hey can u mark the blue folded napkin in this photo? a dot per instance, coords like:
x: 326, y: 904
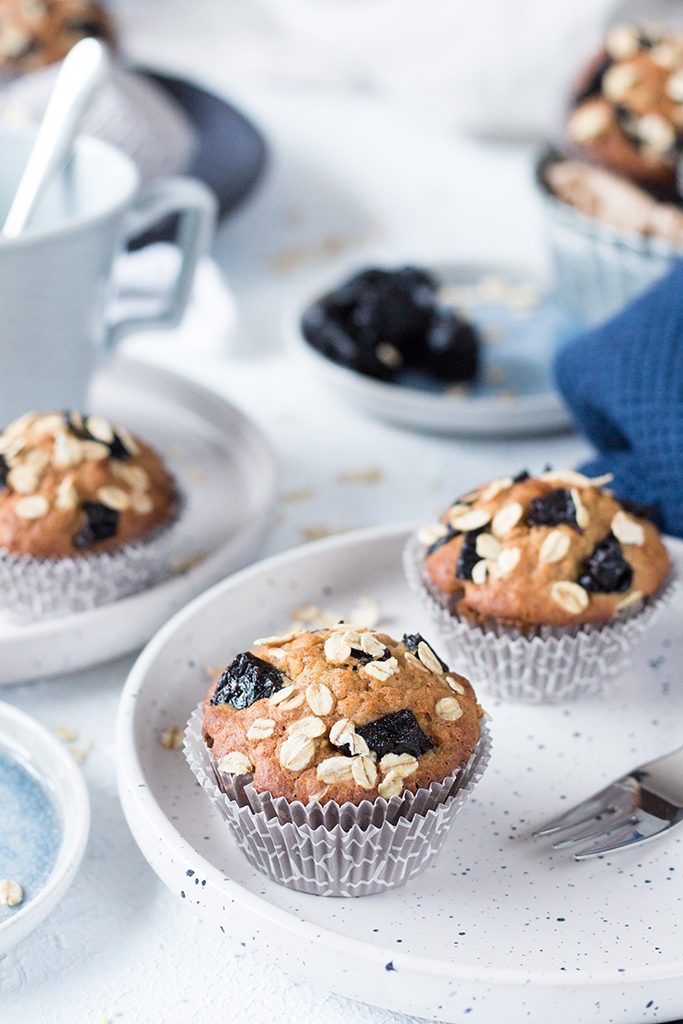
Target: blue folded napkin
x: 623, y: 383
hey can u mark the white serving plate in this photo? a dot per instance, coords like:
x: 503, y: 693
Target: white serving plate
x: 227, y: 472
x: 499, y: 927
x: 523, y: 402
x: 50, y: 763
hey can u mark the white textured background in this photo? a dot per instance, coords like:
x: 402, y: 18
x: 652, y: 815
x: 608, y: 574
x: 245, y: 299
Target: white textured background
x: 344, y: 89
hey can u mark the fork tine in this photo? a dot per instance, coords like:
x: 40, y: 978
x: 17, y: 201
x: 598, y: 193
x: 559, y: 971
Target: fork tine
x: 600, y: 827
x: 591, y: 807
x: 634, y: 836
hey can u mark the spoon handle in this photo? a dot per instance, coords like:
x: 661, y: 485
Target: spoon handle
x: 83, y: 71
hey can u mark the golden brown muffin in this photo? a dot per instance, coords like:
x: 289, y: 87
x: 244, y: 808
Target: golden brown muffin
x: 35, y: 33
x: 557, y: 550
x: 76, y: 485
x: 343, y: 714
x: 627, y: 112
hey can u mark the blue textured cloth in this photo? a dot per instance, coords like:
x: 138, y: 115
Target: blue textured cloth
x: 623, y: 382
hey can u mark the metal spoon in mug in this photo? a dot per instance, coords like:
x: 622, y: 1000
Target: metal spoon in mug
x: 82, y: 73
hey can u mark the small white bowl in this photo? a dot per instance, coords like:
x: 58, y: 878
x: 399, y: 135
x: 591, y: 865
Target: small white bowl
x: 40, y: 755
x: 523, y: 402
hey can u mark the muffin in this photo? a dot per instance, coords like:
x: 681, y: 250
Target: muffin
x: 345, y: 734
x: 627, y: 112
x: 614, y: 214
x: 523, y: 561
x: 35, y: 33
x: 83, y: 508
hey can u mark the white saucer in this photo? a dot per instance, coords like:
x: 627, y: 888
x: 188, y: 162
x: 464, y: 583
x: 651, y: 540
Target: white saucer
x: 227, y: 473
x: 45, y: 820
x: 519, y: 398
x: 500, y: 927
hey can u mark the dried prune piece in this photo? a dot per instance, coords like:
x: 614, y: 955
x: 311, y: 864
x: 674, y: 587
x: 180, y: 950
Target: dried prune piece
x: 380, y: 321
x: 442, y: 540
x: 4, y: 470
x: 593, y: 85
x: 79, y: 428
x: 397, y: 308
x: 84, y: 27
x: 118, y: 450
x: 452, y: 347
x: 328, y: 332
x: 246, y: 680
x: 76, y: 427
x: 639, y: 510
x: 397, y: 733
x: 521, y: 477
x: 607, y: 571
x: 554, y: 509
x: 364, y: 659
x: 413, y: 641
x: 468, y: 557
x: 101, y: 523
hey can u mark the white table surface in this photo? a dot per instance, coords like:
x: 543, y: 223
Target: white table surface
x: 346, y: 173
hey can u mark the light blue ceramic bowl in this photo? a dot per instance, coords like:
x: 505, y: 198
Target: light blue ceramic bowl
x: 45, y: 820
x: 598, y: 269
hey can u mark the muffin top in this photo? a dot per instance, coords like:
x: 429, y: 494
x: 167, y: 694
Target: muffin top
x: 76, y: 485
x: 35, y: 33
x: 554, y: 550
x: 627, y: 110
x: 343, y: 714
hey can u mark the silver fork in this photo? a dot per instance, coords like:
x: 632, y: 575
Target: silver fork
x: 639, y: 806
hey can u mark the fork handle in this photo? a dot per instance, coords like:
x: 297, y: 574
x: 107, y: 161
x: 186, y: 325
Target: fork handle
x: 664, y: 776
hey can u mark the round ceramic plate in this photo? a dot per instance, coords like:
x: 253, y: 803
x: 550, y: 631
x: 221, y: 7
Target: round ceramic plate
x: 522, y: 328
x: 45, y: 821
x: 499, y: 925
x: 222, y: 463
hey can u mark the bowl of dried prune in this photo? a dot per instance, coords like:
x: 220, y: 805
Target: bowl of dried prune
x: 451, y: 348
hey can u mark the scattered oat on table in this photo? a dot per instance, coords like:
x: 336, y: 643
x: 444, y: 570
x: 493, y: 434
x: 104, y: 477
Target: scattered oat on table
x: 457, y: 391
x: 65, y: 733
x: 296, y: 496
x: 296, y: 256
x: 317, y: 532
x: 11, y: 893
x: 79, y: 754
x: 366, y: 475
x: 494, y: 374
x: 172, y: 738
x: 177, y: 566
x: 197, y: 475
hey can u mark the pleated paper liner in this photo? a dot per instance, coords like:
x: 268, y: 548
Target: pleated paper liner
x: 552, y: 664
x: 36, y: 588
x: 335, y: 849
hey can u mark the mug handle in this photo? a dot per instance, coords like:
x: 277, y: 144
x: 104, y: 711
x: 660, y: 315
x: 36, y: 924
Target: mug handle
x: 196, y: 207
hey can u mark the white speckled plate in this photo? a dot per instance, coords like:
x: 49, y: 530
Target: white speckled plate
x: 227, y: 473
x: 516, y: 395
x: 500, y: 928
x: 45, y: 821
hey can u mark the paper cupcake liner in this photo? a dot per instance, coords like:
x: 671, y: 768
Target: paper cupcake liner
x: 550, y: 665
x: 335, y: 849
x: 36, y: 588
x: 130, y: 111
x: 598, y: 269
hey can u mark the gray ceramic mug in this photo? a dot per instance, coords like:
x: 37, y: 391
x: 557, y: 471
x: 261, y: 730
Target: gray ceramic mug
x: 56, y: 279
